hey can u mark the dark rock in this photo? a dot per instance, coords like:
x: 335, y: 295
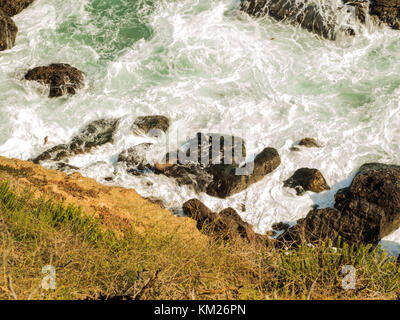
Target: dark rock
x: 306, y: 179
x: 206, y: 156
x: 208, y: 149
x: 170, y: 159
x: 280, y: 226
x: 305, y: 13
x: 388, y: 11
x: 13, y: 7
x: 229, y: 179
x: 212, y: 165
x: 364, y: 212
x: 361, y: 8
x: 223, y: 180
x: 135, y: 158
x: 309, y: 143
x: 156, y: 201
x: 152, y: 124
x: 96, y: 133
x: 226, y: 225
x: 189, y: 174
x: 61, y: 78
x: 213, y: 148
x: 8, y: 32
x: 62, y: 166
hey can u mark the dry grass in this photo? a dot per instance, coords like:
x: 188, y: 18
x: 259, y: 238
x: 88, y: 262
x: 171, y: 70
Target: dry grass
x: 93, y: 262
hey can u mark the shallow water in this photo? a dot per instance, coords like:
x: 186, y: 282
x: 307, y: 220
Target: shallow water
x: 211, y: 68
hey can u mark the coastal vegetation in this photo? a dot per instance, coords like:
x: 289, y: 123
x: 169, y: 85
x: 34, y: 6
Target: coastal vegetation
x: 94, y: 260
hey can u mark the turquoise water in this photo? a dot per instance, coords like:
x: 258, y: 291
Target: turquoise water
x: 110, y: 28
x: 207, y: 67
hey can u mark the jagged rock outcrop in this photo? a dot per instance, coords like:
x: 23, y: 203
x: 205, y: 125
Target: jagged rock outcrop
x: 8, y: 32
x: 306, y: 179
x: 226, y: 225
x: 364, y: 212
x: 388, y: 11
x: 96, y: 133
x: 206, y: 157
x: 326, y: 20
x: 61, y: 78
x: 13, y: 7
x: 320, y: 19
x: 151, y: 124
x: 213, y: 163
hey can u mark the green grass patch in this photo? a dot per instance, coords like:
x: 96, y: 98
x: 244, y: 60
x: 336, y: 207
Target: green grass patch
x: 93, y: 262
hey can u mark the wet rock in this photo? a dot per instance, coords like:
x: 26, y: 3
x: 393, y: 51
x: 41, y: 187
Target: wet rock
x: 189, y: 174
x: 388, y: 11
x: 229, y: 179
x: 135, y: 159
x: 152, y: 124
x: 8, y: 32
x: 208, y: 149
x: 361, y: 7
x: 61, y: 78
x: 62, y: 166
x: 306, y: 179
x: 364, y: 212
x: 309, y: 143
x: 13, y: 7
x: 223, y: 180
x: 212, y: 164
x: 96, y: 133
x: 206, y: 157
x: 226, y: 225
x: 317, y: 18
x: 213, y: 148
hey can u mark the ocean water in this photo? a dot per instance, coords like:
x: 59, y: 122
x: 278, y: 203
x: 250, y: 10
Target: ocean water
x: 208, y: 67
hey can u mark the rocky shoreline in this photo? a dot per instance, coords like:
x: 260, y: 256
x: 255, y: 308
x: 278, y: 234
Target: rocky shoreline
x: 365, y: 212
x: 216, y: 164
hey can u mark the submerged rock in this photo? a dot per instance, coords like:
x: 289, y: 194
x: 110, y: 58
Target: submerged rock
x: 388, y: 11
x: 317, y: 18
x: 13, y: 7
x: 96, y: 133
x: 152, y: 124
x: 309, y: 143
x: 135, y: 158
x: 61, y: 78
x: 8, y: 32
x: 306, y: 179
x: 364, y: 212
x: 226, y: 225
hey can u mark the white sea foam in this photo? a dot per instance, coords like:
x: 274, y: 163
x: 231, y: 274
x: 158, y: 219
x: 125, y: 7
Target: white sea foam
x: 211, y: 68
